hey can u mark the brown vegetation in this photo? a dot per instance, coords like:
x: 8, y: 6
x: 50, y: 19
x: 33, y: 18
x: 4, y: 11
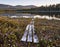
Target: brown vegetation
x: 11, y: 31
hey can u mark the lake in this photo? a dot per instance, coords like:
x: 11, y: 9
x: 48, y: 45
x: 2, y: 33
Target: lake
x: 27, y: 15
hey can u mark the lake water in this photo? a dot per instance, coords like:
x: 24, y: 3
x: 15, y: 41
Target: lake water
x: 26, y: 15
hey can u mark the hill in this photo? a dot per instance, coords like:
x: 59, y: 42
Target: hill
x: 4, y: 7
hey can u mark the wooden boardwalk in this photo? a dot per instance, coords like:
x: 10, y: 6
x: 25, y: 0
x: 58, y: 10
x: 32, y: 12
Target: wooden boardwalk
x: 30, y: 35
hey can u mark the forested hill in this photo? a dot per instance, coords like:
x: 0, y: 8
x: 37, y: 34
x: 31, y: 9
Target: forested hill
x: 53, y: 8
x: 47, y: 10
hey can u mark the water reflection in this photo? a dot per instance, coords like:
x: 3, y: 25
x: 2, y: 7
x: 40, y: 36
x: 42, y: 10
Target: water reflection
x: 46, y: 17
x: 26, y: 15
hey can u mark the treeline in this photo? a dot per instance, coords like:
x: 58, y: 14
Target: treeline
x: 51, y: 9
x: 42, y: 10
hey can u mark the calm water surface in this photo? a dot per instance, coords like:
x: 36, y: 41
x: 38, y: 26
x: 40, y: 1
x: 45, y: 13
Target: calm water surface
x: 26, y: 15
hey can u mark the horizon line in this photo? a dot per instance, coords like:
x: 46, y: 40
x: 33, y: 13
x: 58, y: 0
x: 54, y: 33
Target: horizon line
x: 31, y: 4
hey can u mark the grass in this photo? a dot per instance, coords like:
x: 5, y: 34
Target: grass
x: 12, y: 30
x: 48, y: 30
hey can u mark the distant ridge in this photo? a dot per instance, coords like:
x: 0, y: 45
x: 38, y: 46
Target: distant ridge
x: 4, y: 6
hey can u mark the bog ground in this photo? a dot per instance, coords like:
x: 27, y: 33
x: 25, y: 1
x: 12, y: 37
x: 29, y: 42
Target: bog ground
x: 12, y: 30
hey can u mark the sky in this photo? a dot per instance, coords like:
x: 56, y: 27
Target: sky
x: 29, y: 2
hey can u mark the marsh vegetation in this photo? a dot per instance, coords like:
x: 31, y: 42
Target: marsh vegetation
x: 12, y: 30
